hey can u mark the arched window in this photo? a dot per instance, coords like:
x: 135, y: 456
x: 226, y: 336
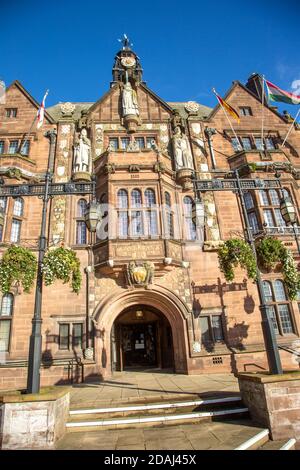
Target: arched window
x: 268, y: 291
x: 190, y: 225
x: 18, y: 212
x: 136, y: 198
x: 278, y: 307
x: 81, y: 229
x: 122, y: 199
x: 150, y: 213
x: 169, y: 216
x: 81, y: 207
x: 6, y: 313
x: 149, y: 197
x: 122, y: 202
x: 18, y: 207
x: 279, y: 291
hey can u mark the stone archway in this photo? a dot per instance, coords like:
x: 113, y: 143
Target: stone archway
x: 159, y: 298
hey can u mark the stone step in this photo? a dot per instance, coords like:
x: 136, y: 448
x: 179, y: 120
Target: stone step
x: 152, y: 409
x: 159, y: 420
x: 279, y: 445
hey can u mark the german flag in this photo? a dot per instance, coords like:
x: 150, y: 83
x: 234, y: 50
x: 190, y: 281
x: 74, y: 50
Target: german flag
x: 227, y: 107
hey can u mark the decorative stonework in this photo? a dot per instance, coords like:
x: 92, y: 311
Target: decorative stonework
x: 196, y: 128
x: 142, y: 250
x: 65, y: 129
x: 192, y: 107
x: 67, y: 108
x: 104, y: 286
x: 212, y: 227
x: 163, y: 136
x: 178, y: 282
x: 140, y: 274
x: 58, y: 219
x: 99, y: 139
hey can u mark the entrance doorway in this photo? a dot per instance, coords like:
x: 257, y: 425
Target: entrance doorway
x: 141, y: 338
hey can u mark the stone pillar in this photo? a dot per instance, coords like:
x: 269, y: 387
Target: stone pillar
x: 34, y: 421
x: 273, y: 401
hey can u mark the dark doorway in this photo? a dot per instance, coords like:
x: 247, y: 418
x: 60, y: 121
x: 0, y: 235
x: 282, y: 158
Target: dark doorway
x: 141, y: 338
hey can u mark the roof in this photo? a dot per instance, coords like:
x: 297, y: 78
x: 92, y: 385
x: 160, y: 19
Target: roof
x: 56, y: 114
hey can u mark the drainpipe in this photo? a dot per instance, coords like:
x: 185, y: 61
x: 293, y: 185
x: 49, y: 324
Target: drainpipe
x: 209, y: 132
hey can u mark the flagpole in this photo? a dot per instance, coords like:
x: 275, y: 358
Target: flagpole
x: 32, y: 124
x: 262, y: 112
x: 231, y: 126
x: 23, y: 141
x: 289, y: 131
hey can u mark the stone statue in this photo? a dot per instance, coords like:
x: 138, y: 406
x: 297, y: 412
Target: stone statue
x: 82, y: 152
x: 182, y: 150
x: 129, y: 100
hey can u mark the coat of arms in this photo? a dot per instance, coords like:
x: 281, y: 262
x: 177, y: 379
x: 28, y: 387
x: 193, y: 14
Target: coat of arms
x: 140, y: 274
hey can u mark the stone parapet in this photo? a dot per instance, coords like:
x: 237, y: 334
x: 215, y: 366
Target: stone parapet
x: 273, y: 401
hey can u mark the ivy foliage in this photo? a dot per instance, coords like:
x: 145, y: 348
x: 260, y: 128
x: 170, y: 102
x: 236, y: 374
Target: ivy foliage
x: 270, y: 252
x: 18, y: 264
x: 62, y: 263
x: 236, y: 252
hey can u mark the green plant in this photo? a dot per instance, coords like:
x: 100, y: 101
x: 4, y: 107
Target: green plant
x: 270, y: 251
x: 62, y: 263
x: 236, y: 252
x: 17, y: 265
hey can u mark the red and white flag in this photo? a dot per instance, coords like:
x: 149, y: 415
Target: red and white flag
x: 41, y: 112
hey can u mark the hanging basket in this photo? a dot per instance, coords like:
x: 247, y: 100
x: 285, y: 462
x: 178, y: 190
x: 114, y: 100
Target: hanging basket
x: 63, y: 264
x: 18, y: 265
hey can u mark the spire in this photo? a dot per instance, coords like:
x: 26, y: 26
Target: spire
x: 127, y: 65
x: 126, y: 42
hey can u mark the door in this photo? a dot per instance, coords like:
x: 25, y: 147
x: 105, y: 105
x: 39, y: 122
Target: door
x: 139, y: 345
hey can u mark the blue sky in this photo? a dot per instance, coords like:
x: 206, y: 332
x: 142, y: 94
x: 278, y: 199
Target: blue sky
x: 186, y: 48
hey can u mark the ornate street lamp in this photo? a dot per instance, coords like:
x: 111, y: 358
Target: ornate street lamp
x: 92, y: 216
x: 288, y: 211
x: 289, y: 215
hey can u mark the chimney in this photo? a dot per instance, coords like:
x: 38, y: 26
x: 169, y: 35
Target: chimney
x: 254, y: 84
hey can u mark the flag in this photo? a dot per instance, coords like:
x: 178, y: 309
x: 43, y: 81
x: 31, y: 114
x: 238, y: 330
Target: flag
x: 228, y: 108
x: 41, y: 112
x: 277, y: 94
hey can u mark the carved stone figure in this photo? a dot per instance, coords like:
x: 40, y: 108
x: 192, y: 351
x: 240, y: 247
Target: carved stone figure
x: 140, y: 274
x: 129, y: 100
x: 82, y: 152
x: 182, y: 150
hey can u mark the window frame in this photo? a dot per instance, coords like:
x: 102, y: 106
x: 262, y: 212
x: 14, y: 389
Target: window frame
x: 80, y: 222
x: 212, y: 340
x: 8, y: 318
x: 275, y: 305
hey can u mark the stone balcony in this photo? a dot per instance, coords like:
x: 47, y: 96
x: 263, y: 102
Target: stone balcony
x: 251, y: 158
x: 111, y: 253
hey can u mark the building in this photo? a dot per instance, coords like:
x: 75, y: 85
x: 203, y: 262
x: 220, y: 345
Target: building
x: 152, y: 294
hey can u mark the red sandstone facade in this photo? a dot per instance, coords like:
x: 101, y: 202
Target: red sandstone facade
x: 187, y: 318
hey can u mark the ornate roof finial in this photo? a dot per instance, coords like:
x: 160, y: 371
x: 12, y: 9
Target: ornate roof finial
x: 126, y: 42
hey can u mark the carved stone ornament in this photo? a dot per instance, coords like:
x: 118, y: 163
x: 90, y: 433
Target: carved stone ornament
x: 192, y: 107
x: 67, y: 108
x: 140, y: 274
x: 109, y: 168
x: 134, y: 168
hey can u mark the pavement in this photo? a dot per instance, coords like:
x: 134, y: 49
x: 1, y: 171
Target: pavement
x: 141, y: 387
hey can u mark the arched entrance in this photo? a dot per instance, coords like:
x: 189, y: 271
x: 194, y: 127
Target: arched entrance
x: 162, y: 305
x: 141, y: 338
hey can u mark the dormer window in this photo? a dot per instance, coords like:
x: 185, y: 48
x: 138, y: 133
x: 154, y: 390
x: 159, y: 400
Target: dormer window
x: 246, y: 111
x: 11, y: 112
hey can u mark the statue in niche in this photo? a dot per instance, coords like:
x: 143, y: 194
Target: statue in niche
x: 129, y: 100
x: 82, y: 152
x: 182, y: 150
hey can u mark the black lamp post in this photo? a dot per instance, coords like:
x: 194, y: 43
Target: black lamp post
x: 288, y: 212
x: 239, y: 186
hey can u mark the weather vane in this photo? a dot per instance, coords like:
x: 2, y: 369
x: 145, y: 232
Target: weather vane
x: 125, y: 41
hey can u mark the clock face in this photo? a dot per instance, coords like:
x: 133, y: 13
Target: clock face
x: 128, y: 61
